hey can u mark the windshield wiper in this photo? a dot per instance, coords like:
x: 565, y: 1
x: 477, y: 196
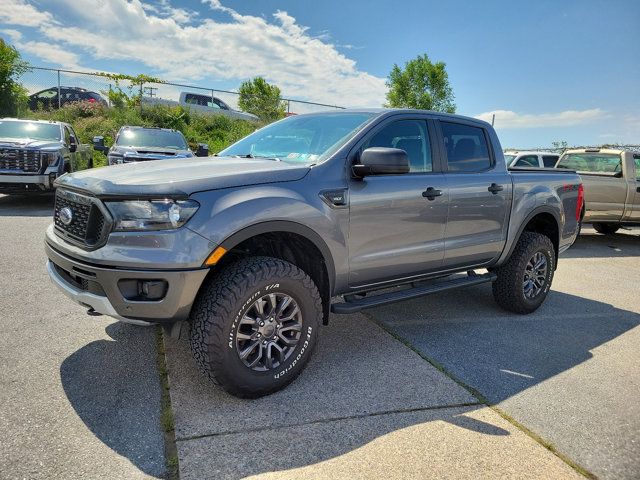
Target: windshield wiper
x: 249, y: 155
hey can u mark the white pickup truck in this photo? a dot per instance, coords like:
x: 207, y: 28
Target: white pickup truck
x: 199, y: 102
x: 529, y: 159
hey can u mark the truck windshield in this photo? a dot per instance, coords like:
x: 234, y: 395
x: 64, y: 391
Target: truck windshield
x: 138, y: 137
x: 591, y: 162
x: 30, y: 130
x: 304, y: 139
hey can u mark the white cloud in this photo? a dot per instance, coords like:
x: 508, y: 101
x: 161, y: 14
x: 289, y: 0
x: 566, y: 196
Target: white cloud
x: 186, y: 47
x: 18, y: 12
x: 567, y: 118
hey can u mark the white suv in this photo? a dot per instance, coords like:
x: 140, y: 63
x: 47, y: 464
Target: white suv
x: 531, y: 159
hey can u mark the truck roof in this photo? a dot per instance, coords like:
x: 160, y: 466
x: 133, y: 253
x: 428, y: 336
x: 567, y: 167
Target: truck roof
x: 615, y: 151
x: 138, y: 127
x: 32, y: 121
x: 529, y: 152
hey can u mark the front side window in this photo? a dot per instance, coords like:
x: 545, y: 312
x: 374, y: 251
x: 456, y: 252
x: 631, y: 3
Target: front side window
x: 306, y: 139
x: 410, y: 136
x: 47, y: 94
x: 134, y: 137
x: 591, y: 162
x: 466, y: 146
x: 527, y: 161
x: 549, y: 161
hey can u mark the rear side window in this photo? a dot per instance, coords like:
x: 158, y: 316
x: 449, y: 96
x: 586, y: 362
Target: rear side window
x: 527, y: 161
x: 549, y: 161
x: 592, y: 162
x: 466, y: 147
x: 636, y: 159
x: 410, y: 136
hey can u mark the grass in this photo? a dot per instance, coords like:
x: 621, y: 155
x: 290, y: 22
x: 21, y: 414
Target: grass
x: 166, y: 412
x: 93, y: 119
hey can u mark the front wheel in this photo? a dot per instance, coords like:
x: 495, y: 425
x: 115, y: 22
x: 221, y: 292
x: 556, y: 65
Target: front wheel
x: 254, y: 325
x: 605, y: 228
x: 525, y: 279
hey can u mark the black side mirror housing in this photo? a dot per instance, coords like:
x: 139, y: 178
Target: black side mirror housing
x: 381, y: 161
x: 203, y: 150
x: 98, y: 144
x: 73, y: 145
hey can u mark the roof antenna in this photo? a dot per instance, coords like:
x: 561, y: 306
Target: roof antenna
x: 493, y: 119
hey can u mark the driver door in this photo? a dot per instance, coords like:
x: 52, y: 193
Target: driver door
x: 395, y: 231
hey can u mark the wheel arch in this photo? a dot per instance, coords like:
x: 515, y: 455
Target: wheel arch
x: 542, y: 220
x: 277, y: 233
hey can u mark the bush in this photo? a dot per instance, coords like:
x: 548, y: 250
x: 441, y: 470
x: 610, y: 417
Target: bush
x: 92, y: 119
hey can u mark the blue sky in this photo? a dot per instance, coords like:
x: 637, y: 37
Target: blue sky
x: 550, y: 71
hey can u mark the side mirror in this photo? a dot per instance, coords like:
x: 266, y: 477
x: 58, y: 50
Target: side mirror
x: 98, y: 144
x: 203, y: 150
x: 381, y: 161
x: 73, y: 144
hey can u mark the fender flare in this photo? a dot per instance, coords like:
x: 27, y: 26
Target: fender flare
x: 275, y: 226
x: 525, y: 222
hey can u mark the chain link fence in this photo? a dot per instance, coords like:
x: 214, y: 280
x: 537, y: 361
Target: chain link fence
x: 561, y: 150
x: 50, y: 84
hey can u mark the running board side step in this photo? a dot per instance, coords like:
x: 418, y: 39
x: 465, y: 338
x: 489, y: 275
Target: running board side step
x: 355, y: 306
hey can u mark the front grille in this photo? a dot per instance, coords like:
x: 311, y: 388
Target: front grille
x: 20, y: 160
x: 87, y: 225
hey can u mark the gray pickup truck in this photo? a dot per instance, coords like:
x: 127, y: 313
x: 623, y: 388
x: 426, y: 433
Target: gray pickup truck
x: 611, y: 181
x: 34, y: 153
x: 253, y: 248
x: 141, y: 144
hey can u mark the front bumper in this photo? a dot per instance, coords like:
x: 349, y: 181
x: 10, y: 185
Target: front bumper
x: 26, y: 182
x: 99, y: 288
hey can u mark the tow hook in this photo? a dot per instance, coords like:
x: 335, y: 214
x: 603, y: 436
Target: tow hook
x: 93, y: 313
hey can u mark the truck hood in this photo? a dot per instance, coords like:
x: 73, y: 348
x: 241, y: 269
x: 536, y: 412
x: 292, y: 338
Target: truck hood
x: 28, y: 143
x: 181, y: 177
x: 149, y: 153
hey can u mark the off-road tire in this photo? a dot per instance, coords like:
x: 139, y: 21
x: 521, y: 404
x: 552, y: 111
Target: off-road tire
x: 224, y: 298
x: 508, y: 288
x: 605, y: 228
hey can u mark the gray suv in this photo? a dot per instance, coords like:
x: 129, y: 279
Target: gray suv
x: 315, y: 213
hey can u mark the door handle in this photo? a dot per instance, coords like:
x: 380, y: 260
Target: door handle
x: 431, y: 193
x: 495, y: 188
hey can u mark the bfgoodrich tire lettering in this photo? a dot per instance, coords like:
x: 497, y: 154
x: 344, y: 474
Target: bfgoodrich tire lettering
x: 512, y: 289
x: 227, y: 299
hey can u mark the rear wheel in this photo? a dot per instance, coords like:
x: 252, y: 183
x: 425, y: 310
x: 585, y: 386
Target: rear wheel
x: 525, y: 279
x: 605, y: 228
x: 254, y: 325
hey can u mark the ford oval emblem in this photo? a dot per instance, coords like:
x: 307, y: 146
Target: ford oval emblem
x: 66, y: 215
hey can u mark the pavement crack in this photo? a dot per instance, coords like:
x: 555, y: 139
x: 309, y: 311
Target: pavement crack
x: 332, y: 419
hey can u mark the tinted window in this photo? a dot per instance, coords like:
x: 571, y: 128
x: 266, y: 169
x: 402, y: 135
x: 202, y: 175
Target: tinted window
x: 527, y: 161
x: 636, y: 159
x: 550, y: 161
x: 47, y: 94
x: 410, y: 136
x: 67, y: 136
x: 466, y: 147
x: 138, y: 137
x: 591, y: 162
x: 508, y: 159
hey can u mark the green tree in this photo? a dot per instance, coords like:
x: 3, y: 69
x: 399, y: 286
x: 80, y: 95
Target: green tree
x: 421, y: 84
x: 262, y: 99
x: 13, y: 96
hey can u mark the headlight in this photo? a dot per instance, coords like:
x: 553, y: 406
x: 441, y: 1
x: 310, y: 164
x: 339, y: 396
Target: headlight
x: 114, y: 159
x: 139, y: 215
x: 49, y: 158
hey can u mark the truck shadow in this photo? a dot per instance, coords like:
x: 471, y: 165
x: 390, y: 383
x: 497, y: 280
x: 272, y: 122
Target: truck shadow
x: 112, y: 395
x: 114, y: 388
x: 625, y: 243
x: 40, y: 205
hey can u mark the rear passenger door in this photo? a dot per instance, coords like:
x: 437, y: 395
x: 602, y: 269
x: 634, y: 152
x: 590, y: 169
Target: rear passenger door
x: 479, y: 195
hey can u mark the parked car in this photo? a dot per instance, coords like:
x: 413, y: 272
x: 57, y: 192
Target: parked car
x: 48, y: 99
x: 140, y: 144
x: 531, y: 159
x: 252, y: 246
x: 33, y: 153
x: 203, y: 104
x: 611, y: 186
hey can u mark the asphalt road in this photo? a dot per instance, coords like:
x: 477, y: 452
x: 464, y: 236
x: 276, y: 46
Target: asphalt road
x: 570, y: 372
x: 79, y: 395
